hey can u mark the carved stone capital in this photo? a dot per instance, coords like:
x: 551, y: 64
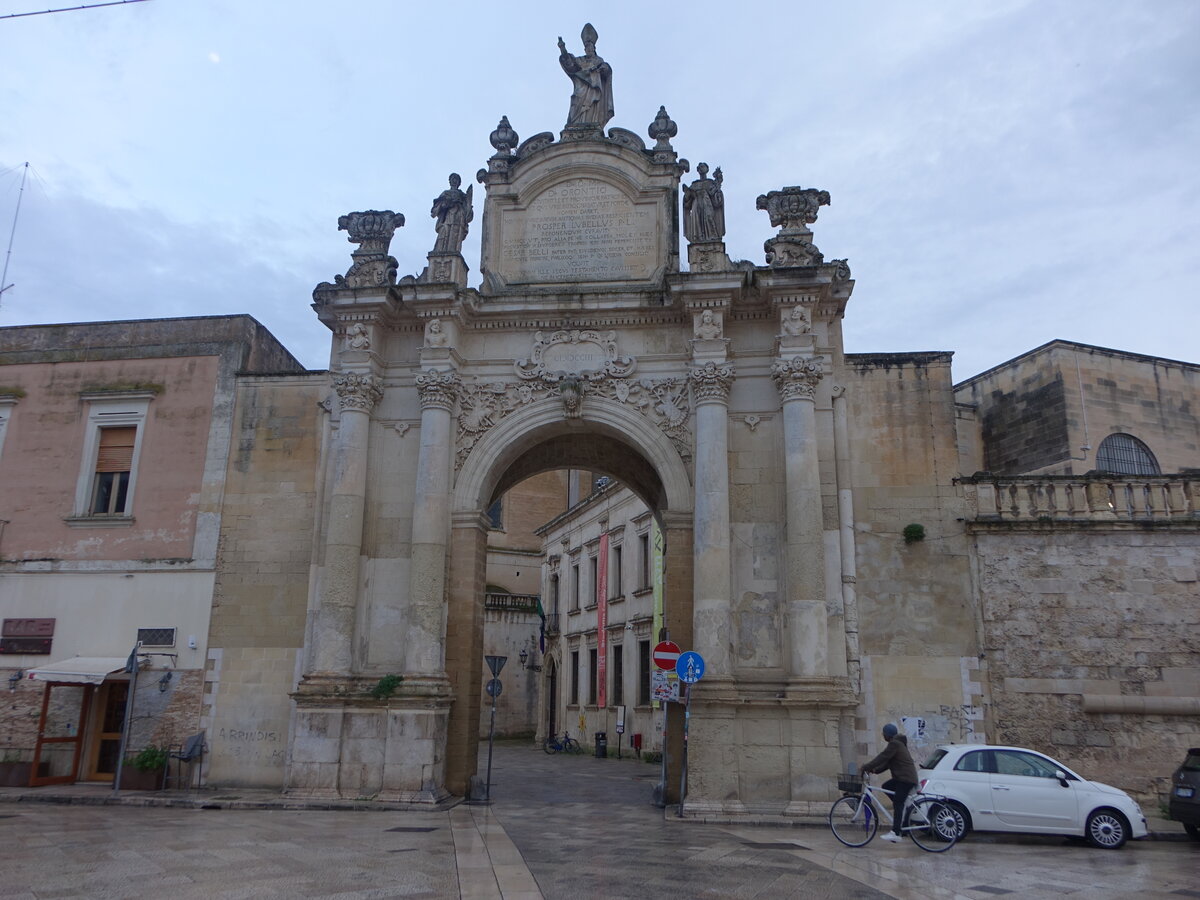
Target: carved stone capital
x: 797, y: 378
x: 358, y: 392
x: 438, y: 389
x: 711, y: 382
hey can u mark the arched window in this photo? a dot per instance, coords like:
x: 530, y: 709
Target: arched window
x: 1123, y: 454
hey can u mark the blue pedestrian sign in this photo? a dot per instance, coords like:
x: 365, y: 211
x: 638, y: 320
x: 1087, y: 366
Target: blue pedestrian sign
x: 690, y: 667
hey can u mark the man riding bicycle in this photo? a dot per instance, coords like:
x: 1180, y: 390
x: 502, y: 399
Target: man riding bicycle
x: 896, y: 758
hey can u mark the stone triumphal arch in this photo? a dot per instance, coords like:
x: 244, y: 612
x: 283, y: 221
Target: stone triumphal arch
x: 711, y: 392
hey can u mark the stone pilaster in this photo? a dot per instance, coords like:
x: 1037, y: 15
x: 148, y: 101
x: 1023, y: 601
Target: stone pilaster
x: 797, y: 379
x: 849, y: 570
x: 711, y: 551
x: 333, y: 634
x: 431, y: 524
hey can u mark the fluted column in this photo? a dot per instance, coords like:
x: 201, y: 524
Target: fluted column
x: 713, y: 637
x: 797, y: 379
x: 431, y: 525
x: 333, y: 636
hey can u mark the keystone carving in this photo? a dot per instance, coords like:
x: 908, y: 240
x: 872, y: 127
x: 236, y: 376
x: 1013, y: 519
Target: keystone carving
x: 358, y: 392
x: 797, y: 378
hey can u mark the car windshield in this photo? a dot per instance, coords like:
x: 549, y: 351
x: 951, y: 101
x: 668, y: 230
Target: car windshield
x: 934, y: 758
x: 1192, y: 763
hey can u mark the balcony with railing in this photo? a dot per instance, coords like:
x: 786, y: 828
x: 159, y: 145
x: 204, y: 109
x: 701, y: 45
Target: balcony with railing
x: 518, y: 603
x: 1098, y: 498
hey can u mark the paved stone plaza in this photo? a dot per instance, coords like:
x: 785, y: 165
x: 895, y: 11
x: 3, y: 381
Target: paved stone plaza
x: 559, y: 827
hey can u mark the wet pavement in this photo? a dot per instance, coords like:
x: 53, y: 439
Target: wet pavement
x: 559, y: 827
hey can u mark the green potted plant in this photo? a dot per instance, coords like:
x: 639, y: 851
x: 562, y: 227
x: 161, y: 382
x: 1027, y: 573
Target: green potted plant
x: 143, y: 771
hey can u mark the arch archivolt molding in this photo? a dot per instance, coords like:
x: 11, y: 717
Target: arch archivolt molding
x: 509, y: 418
x: 664, y: 403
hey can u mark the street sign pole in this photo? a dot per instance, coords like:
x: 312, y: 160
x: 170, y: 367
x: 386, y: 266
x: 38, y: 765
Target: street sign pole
x: 495, y: 663
x: 690, y: 668
x: 687, y: 715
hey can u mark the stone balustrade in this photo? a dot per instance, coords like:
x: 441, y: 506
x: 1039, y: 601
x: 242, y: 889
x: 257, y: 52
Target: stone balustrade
x: 1096, y: 497
x: 524, y: 603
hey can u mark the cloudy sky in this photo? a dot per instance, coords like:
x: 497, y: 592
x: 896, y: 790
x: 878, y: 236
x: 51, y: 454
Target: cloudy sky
x: 1003, y: 173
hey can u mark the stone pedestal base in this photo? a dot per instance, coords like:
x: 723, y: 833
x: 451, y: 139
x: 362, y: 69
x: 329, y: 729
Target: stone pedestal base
x: 773, y: 751
x: 355, y: 747
x: 445, y: 268
x: 710, y: 257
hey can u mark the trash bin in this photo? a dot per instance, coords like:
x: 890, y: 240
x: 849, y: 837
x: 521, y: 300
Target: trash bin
x: 601, y: 745
x: 636, y: 740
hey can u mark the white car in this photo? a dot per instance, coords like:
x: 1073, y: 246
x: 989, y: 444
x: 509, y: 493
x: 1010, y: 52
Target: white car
x: 1017, y: 790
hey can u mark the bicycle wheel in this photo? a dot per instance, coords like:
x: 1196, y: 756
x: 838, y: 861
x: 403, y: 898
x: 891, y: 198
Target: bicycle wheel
x: 571, y: 745
x: 550, y: 745
x: 853, y: 821
x: 932, y: 825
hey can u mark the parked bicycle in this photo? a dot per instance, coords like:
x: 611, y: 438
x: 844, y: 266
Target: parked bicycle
x: 854, y: 819
x: 564, y: 744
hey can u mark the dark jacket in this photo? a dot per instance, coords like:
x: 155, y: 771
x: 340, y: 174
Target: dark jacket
x: 895, y: 756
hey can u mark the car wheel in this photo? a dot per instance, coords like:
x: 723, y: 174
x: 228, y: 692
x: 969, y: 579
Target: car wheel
x: 962, y: 817
x: 1107, y: 829
x: 1193, y: 831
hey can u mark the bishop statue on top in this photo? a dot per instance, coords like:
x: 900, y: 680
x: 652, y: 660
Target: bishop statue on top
x: 591, y: 80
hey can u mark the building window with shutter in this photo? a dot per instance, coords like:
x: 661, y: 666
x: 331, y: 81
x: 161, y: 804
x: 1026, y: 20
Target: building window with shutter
x: 115, y: 426
x: 114, y: 463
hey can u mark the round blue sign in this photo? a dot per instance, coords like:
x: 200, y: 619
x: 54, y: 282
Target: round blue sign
x: 690, y: 667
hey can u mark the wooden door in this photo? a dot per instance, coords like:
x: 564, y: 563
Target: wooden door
x: 105, y: 743
x: 60, y: 733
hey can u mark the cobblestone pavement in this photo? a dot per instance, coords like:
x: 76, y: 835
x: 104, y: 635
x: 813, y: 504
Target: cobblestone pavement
x: 559, y: 827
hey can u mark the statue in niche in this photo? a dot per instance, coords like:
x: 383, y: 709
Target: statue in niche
x: 435, y: 334
x: 708, y: 327
x: 454, y: 213
x: 704, y: 208
x: 357, y: 338
x: 591, y: 80
x: 796, y: 322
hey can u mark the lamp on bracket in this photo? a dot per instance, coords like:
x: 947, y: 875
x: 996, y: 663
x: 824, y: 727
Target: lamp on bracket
x: 523, y: 656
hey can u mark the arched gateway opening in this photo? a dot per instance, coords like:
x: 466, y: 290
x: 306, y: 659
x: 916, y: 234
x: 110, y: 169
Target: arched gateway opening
x: 606, y: 438
x: 710, y: 393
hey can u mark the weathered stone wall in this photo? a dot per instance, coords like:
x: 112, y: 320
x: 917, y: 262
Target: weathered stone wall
x: 507, y: 633
x: 1038, y: 411
x: 1070, y: 614
x: 261, y: 595
x: 917, y: 622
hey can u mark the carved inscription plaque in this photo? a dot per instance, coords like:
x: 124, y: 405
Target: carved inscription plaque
x: 582, y: 229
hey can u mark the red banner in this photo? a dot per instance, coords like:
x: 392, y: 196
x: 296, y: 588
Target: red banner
x: 602, y: 623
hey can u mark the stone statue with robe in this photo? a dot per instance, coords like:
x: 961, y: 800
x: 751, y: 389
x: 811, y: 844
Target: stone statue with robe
x: 704, y: 208
x: 591, y: 83
x: 453, y: 212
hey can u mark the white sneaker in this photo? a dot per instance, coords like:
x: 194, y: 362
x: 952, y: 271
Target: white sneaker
x: 891, y: 837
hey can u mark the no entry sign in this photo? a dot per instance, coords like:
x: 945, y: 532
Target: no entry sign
x: 666, y: 654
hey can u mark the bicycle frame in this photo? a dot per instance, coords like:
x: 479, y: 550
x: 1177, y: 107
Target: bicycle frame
x: 879, y: 808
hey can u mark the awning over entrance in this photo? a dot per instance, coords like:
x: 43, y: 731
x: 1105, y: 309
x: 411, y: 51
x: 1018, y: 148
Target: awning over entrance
x: 80, y: 669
